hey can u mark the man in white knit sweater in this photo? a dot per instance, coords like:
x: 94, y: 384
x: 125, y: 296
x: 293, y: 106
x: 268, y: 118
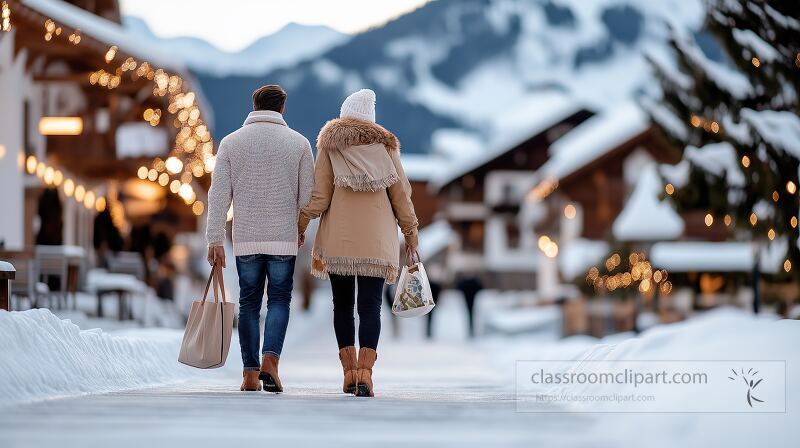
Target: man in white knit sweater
x: 267, y: 170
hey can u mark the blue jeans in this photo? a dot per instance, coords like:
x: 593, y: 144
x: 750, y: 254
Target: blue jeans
x: 253, y: 271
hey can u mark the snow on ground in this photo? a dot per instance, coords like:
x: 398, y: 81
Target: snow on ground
x: 450, y: 392
x: 46, y: 357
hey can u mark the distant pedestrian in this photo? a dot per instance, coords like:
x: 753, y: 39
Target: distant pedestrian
x: 470, y: 286
x: 267, y: 170
x: 362, y: 193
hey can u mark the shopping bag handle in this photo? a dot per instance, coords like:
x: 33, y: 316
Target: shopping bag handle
x: 410, y: 256
x: 219, y: 283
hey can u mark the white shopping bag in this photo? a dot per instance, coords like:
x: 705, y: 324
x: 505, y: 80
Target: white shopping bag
x: 413, y: 296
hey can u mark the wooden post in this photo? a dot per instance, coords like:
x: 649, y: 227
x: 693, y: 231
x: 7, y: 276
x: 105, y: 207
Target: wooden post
x: 7, y: 272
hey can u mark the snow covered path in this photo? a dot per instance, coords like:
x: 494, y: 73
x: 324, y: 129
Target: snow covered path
x: 448, y: 393
x: 420, y: 401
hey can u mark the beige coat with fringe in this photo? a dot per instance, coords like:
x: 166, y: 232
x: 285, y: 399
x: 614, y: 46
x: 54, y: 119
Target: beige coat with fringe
x: 362, y: 194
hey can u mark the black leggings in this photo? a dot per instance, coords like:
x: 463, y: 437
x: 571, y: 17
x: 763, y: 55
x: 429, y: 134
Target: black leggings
x: 370, y: 290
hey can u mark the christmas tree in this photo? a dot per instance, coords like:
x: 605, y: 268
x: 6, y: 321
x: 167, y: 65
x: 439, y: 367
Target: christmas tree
x: 737, y: 119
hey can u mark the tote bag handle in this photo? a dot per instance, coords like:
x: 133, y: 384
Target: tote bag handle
x: 219, y: 284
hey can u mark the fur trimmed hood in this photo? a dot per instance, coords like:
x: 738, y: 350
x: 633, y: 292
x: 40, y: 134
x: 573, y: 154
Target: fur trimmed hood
x: 341, y: 133
x: 359, y: 153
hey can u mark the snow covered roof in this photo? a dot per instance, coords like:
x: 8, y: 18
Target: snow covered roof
x: 421, y: 167
x: 537, y: 114
x: 593, y: 139
x: 703, y: 256
x: 646, y: 217
x: 435, y: 238
x: 106, y: 31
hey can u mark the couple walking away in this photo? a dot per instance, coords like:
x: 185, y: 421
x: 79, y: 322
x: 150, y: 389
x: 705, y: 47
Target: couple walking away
x: 358, y: 188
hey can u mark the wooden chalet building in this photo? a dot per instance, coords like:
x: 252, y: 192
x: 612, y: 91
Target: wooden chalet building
x: 99, y: 118
x: 481, y: 197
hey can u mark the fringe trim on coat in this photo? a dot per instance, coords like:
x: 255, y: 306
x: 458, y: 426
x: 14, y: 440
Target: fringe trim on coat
x: 322, y: 266
x: 363, y: 182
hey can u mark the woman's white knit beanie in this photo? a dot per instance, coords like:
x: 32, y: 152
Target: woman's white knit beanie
x: 359, y: 105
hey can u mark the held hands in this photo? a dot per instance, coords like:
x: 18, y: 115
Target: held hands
x: 301, y: 239
x: 412, y: 256
x: 216, y: 254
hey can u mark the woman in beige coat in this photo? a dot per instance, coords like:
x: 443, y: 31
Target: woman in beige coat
x: 362, y: 194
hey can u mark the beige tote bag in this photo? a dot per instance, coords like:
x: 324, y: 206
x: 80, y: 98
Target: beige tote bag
x: 207, y: 337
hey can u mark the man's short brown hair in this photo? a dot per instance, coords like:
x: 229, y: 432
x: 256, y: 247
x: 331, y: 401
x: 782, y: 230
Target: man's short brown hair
x: 269, y: 97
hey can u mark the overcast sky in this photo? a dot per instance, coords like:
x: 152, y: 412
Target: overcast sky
x: 233, y: 24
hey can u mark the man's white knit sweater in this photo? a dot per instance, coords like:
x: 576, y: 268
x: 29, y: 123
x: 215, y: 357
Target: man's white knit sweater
x: 267, y: 170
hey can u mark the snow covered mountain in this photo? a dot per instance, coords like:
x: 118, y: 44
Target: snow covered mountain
x: 465, y: 63
x: 287, y: 46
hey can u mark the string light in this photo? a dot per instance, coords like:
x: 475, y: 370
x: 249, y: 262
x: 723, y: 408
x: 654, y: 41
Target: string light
x: 787, y: 265
x: 548, y: 246
x: 198, y: 208
x: 793, y: 222
x: 570, y: 211
x: 174, y: 165
x: 5, y: 14
x: 30, y: 164
x: 194, y: 139
x: 727, y: 220
x: 670, y: 189
x: 80, y: 192
x: 775, y: 196
x: 152, y: 116
x: 771, y: 234
x: 69, y: 187
x: 111, y: 54
x: 74, y: 37
x: 709, y: 220
x: 756, y: 63
x: 745, y: 161
x: 753, y: 219
x: 791, y: 187
x: 639, y: 270
x: 163, y: 179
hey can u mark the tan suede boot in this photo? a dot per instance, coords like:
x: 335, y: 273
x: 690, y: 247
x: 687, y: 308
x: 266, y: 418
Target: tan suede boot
x: 347, y: 356
x: 366, y: 359
x: 269, y: 373
x: 250, y: 381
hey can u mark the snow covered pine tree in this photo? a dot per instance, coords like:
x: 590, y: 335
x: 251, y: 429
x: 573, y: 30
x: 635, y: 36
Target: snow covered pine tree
x: 737, y: 119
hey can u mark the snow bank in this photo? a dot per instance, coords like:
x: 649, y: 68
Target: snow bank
x: 45, y: 357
